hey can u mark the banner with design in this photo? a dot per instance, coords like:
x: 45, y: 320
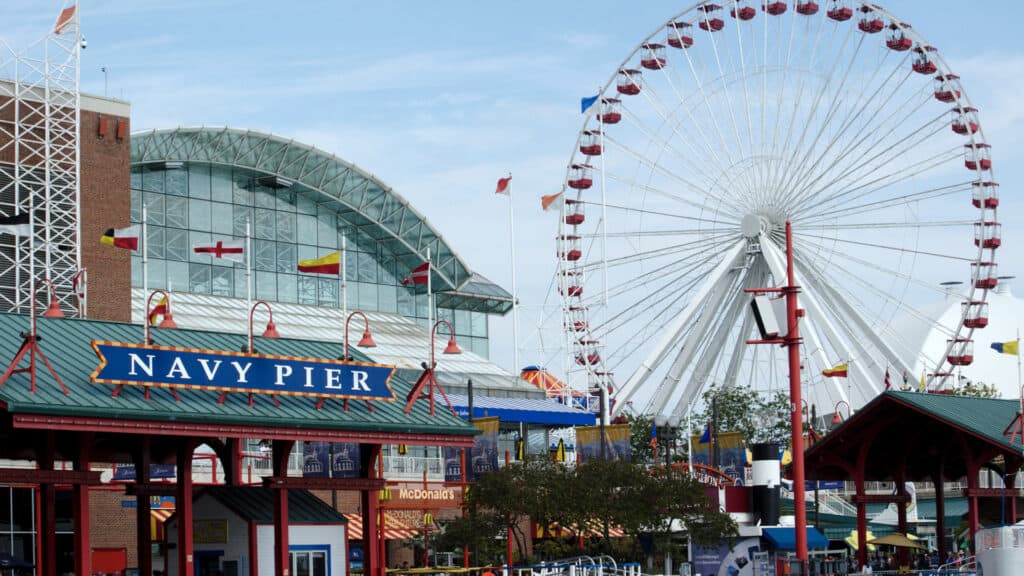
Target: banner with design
x: 345, y: 460
x: 485, y: 447
x: 330, y: 459
x: 732, y: 453
x: 617, y: 442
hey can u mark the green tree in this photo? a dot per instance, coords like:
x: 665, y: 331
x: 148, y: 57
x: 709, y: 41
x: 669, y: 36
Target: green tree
x: 760, y: 416
x: 977, y: 390
x: 640, y: 437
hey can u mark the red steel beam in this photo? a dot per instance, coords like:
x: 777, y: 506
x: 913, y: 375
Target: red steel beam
x: 90, y: 424
x: 32, y: 476
x: 295, y: 482
x: 991, y: 492
x: 878, y: 498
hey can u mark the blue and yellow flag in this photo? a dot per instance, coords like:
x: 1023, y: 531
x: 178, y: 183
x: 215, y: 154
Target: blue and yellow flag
x: 1010, y: 347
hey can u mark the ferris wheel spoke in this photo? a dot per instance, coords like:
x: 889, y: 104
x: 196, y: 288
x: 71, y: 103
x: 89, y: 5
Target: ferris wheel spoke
x: 855, y: 150
x: 900, y: 249
x: 661, y: 214
x: 646, y: 255
x: 698, y: 190
x: 877, y: 205
x: 783, y: 177
x: 891, y: 225
x: 638, y: 186
x: 863, y: 189
x: 823, y: 163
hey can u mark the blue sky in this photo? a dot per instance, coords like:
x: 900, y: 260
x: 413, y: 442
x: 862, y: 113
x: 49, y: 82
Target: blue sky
x: 439, y: 99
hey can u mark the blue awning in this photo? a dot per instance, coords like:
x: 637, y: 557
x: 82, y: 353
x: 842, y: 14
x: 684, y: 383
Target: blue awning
x: 785, y: 538
x: 543, y: 411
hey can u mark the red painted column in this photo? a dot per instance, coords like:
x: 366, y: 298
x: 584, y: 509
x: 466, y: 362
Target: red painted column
x: 972, y: 501
x: 80, y: 509
x: 48, y: 522
x: 254, y: 551
x: 369, y: 505
x: 183, y: 509
x: 862, y: 518
x: 282, y: 560
x: 795, y: 417
x: 940, y: 515
x: 901, y: 521
x: 143, y: 535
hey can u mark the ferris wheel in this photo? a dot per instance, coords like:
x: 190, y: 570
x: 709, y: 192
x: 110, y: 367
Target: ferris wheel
x: 717, y: 128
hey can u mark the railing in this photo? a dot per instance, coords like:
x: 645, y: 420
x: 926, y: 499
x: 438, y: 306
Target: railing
x: 412, y: 467
x: 578, y: 566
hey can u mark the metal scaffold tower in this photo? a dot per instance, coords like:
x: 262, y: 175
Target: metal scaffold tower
x: 40, y: 162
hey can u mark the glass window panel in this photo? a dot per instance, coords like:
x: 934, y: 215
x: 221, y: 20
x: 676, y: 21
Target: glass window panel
x: 240, y: 215
x: 479, y: 347
x: 136, y: 271
x: 199, y: 277
x: 176, y: 211
x: 352, y: 295
x: 287, y: 285
x: 155, y: 241
x: 351, y: 264
x: 199, y: 212
x: 136, y: 210
x: 153, y: 180
x: 406, y: 302
x: 286, y: 226
x: 368, y: 297
x: 222, y: 281
x: 199, y: 181
x: 387, y: 271
x: 136, y: 179
x: 265, y: 253
x: 22, y: 510
x: 23, y: 546
x: 177, y: 182
x: 329, y: 291
x: 367, y: 268
x: 421, y: 305
x: 462, y: 322
x: 286, y: 261
x: 177, y: 272
x: 285, y: 200
x: 199, y: 238
x: 177, y: 247
x: 307, y: 289
x: 157, y: 274
x: 265, y: 197
x: 308, y: 253
x: 319, y: 564
x: 221, y: 216
x: 388, y: 298
x: 266, y: 285
x: 240, y: 283
x: 446, y: 314
x: 327, y: 228
x: 242, y: 193
x: 305, y: 204
x: 221, y: 186
x: 264, y: 224
x: 478, y: 322
x: 154, y: 208
x: 306, y: 229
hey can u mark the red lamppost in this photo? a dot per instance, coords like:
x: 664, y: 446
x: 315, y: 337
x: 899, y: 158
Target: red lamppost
x: 837, y: 418
x: 366, y: 341
x: 271, y: 330
x: 168, y: 320
x: 427, y: 378
x: 451, y: 348
x: 30, y: 342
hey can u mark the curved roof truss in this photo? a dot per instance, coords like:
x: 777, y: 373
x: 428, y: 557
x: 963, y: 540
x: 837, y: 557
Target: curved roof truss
x: 361, y: 198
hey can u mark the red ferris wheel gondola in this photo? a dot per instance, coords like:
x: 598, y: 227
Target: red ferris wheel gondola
x: 774, y: 8
x: 965, y: 120
x: 975, y: 314
x: 978, y: 156
x: 710, y: 21
x: 947, y: 88
x: 898, y: 40
x: 985, y: 195
x: 839, y: 10
x: 924, y: 61
x: 629, y: 82
x: 574, y: 214
x: 988, y: 234
x: 678, y: 35
x: 870, y: 21
x: 743, y: 11
x: 653, y: 57
x: 806, y: 7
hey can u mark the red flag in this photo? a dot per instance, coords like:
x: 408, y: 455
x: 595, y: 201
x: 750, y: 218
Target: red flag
x: 78, y: 284
x: 65, y: 17
x: 504, y: 186
x: 888, y: 383
x: 550, y: 200
x: 419, y: 274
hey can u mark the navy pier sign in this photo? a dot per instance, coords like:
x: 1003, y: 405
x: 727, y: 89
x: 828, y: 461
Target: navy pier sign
x: 166, y: 366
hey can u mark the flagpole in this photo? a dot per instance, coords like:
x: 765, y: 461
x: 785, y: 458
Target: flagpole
x: 430, y: 306
x: 248, y: 266
x: 145, y: 267
x: 343, y: 295
x: 515, y: 304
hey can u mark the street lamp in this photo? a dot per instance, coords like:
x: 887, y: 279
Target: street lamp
x: 451, y: 348
x: 168, y: 320
x: 366, y: 341
x: 53, y: 311
x: 836, y: 417
x: 271, y: 330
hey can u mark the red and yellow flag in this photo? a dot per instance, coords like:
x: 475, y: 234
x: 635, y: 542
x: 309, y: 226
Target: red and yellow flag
x: 329, y: 264
x: 837, y: 371
x: 159, y: 310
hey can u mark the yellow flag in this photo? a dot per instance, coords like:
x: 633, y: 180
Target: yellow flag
x: 920, y: 387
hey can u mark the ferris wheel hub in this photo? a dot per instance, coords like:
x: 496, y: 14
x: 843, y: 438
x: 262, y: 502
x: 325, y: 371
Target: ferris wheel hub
x: 753, y: 224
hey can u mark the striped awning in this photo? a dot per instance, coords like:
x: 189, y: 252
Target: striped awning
x: 593, y: 529
x: 157, y: 517
x: 394, y: 527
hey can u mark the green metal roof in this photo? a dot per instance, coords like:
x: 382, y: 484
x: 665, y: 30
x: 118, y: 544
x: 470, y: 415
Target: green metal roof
x: 254, y: 504
x: 66, y: 344
x: 362, y: 198
x: 985, y: 417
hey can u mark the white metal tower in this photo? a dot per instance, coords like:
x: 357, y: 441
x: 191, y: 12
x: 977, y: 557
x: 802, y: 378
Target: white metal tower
x: 40, y: 160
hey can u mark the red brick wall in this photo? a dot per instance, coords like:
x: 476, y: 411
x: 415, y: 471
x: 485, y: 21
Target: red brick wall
x: 110, y: 525
x: 106, y: 203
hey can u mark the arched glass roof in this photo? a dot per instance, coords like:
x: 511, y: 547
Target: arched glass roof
x: 360, y: 198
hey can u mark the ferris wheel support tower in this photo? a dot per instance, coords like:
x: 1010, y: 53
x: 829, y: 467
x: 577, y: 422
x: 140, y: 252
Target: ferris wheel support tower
x: 40, y: 161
